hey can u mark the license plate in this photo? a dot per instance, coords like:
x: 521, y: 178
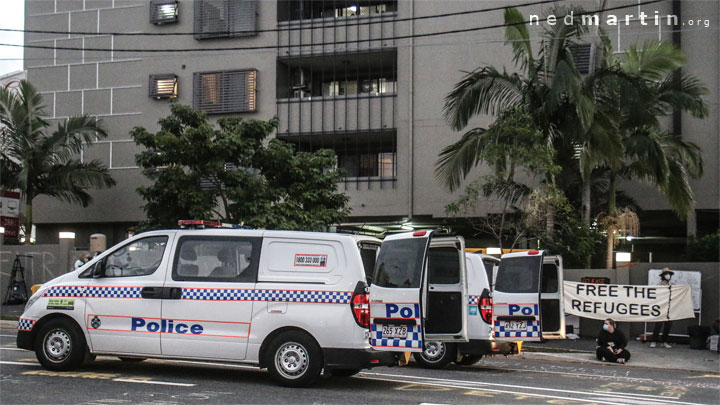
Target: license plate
x: 394, y: 332
x: 515, y: 326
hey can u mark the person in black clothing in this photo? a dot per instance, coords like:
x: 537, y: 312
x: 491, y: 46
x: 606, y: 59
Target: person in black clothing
x: 611, y: 344
x: 665, y: 277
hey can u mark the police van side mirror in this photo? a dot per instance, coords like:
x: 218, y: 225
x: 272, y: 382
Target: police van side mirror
x: 98, y: 270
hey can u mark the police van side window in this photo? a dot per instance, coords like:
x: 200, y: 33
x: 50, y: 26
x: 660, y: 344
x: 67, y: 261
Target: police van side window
x: 368, y: 254
x: 139, y: 258
x: 518, y: 275
x: 216, y: 259
x: 399, y: 264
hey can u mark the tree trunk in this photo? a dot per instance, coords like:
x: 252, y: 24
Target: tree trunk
x: 586, y: 202
x: 28, y: 219
x: 611, y: 213
x: 549, y: 223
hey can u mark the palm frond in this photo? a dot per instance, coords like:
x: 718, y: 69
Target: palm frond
x: 653, y: 60
x: 456, y: 160
x: 482, y: 91
x: 518, y: 36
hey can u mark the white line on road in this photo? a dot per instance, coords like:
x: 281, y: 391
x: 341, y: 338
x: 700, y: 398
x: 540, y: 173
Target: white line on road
x: 465, y: 387
x: 475, y: 383
x: 130, y: 380
x: 19, y: 363
x: 9, y: 335
x: 13, y: 349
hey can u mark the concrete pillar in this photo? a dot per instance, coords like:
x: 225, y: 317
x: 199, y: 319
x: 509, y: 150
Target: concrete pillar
x: 691, y: 222
x: 67, y: 245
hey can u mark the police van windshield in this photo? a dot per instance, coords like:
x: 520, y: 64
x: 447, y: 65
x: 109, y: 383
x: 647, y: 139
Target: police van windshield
x: 518, y: 275
x: 400, y: 262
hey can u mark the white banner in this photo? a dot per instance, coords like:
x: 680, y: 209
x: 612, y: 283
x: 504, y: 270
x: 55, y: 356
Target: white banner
x: 628, y: 303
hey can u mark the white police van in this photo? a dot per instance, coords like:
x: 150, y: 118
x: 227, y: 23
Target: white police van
x: 419, y: 300
x: 293, y: 302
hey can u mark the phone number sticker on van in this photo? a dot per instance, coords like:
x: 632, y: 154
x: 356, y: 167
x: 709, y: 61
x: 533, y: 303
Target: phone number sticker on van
x: 311, y: 260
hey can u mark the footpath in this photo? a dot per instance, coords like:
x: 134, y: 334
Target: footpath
x: 680, y: 357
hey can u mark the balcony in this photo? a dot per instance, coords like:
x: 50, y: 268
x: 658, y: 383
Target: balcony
x: 338, y: 93
x: 326, y: 27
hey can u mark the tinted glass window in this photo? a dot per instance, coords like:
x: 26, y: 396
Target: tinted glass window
x: 400, y: 262
x: 221, y: 259
x: 368, y: 254
x: 443, y: 266
x: 138, y: 258
x: 549, y: 278
x: 489, y: 265
x: 518, y: 275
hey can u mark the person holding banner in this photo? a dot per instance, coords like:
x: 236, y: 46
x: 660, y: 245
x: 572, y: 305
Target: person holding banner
x: 665, y: 276
x: 611, y: 344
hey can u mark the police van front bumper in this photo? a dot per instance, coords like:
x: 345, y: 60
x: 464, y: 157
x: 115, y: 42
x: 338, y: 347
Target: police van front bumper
x: 356, y: 358
x: 25, y: 340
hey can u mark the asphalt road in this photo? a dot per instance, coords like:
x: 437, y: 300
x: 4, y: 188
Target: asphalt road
x: 494, y: 380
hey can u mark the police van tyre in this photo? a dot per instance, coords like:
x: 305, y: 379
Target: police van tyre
x: 469, y: 360
x: 294, y: 359
x: 436, y: 355
x: 60, y: 345
x: 131, y: 359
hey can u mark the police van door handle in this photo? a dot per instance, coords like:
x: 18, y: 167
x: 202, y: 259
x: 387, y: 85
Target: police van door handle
x: 174, y: 293
x: 152, y: 292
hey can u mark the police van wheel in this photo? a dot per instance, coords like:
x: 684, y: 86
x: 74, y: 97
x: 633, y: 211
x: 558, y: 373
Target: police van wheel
x: 132, y: 359
x: 469, y: 360
x: 60, y: 345
x: 294, y: 359
x: 436, y: 355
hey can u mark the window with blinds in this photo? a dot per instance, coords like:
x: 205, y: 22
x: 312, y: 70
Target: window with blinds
x: 226, y: 91
x: 225, y: 18
x: 163, y: 11
x: 163, y: 86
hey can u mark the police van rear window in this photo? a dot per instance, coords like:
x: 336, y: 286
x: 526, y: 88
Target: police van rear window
x: 400, y: 263
x: 518, y: 275
x: 443, y: 265
x: 368, y: 254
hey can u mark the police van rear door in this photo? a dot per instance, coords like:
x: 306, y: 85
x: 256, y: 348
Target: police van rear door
x: 551, y: 298
x: 444, y: 296
x: 395, y: 307
x: 516, y: 298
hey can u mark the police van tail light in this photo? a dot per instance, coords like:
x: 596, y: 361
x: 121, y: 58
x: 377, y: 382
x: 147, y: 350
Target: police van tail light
x: 361, y: 309
x: 486, y: 309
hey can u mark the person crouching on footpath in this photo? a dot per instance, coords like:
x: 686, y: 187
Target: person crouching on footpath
x: 611, y: 344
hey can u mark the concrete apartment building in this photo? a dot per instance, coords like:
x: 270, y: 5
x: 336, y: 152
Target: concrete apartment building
x: 351, y: 76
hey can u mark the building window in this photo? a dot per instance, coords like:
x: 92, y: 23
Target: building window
x: 309, y: 9
x: 371, y: 165
x: 583, y: 56
x: 163, y: 11
x: 227, y: 91
x: 225, y: 18
x: 163, y: 86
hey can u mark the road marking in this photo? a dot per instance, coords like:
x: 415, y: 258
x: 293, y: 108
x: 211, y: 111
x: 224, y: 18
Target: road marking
x: 464, y: 387
x: 595, y: 393
x: 571, y: 374
x: 18, y: 363
x: 12, y: 348
x: 130, y: 380
x: 9, y: 335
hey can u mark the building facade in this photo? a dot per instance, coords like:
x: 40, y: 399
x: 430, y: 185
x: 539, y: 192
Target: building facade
x: 364, y: 78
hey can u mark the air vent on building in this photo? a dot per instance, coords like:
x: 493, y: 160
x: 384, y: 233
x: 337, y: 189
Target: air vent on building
x: 163, y: 11
x: 225, y: 18
x: 226, y: 91
x: 583, y: 57
x: 163, y: 86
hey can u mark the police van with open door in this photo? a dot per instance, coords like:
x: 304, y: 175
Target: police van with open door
x: 528, y: 297
x: 411, y: 302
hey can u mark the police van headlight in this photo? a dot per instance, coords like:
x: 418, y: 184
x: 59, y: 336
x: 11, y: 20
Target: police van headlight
x: 32, y: 300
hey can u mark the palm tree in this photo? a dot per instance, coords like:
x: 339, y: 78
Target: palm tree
x: 38, y: 163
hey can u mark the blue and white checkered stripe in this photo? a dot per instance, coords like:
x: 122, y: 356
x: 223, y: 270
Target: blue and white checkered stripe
x: 113, y: 292
x: 473, y: 299
x: 533, y: 330
x: 26, y: 324
x: 321, y: 297
x: 65, y: 291
x: 217, y: 294
x: 413, y: 340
